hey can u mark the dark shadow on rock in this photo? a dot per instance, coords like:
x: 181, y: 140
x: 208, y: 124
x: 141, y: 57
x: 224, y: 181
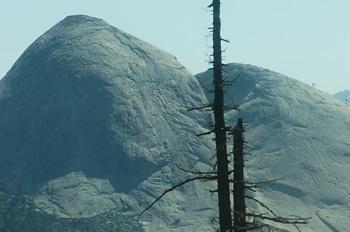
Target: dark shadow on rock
x: 286, y: 189
x: 55, y: 122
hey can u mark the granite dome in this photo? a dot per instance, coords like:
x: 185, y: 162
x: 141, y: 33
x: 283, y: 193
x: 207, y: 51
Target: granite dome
x: 94, y: 119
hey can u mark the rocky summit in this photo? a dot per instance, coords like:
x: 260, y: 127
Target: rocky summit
x: 93, y: 119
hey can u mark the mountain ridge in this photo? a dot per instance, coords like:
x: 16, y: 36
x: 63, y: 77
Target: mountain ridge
x: 95, y: 119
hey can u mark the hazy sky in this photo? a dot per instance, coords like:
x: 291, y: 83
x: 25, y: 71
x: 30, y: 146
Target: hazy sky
x: 305, y: 39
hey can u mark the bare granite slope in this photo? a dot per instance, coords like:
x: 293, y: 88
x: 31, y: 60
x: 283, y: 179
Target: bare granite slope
x: 93, y: 119
x: 296, y: 133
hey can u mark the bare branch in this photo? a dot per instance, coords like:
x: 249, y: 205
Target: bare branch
x: 195, y: 171
x: 229, y: 107
x: 294, y: 220
x: 175, y: 187
x: 250, y: 188
x: 252, y: 185
x: 229, y: 83
x: 263, y: 182
x: 225, y: 40
x: 278, y: 220
x: 205, y: 133
x: 232, y: 107
x: 247, y: 146
x: 200, y: 107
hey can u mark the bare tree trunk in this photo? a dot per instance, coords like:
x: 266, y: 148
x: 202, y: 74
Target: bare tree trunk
x: 225, y: 217
x: 239, y: 208
x: 222, y: 175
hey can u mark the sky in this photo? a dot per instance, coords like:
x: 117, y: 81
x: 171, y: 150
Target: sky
x: 306, y: 39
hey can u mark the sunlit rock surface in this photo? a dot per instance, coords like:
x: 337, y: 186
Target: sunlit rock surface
x: 93, y: 119
x: 298, y: 134
x: 93, y: 122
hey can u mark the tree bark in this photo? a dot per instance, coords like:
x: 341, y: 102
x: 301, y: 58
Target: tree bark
x: 225, y: 217
x: 239, y: 208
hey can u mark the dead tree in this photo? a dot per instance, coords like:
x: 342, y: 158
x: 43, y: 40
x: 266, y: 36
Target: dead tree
x: 221, y: 173
x: 239, y: 207
x: 225, y: 216
x: 240, y: 185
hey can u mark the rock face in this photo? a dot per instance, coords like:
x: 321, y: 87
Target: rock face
x: 93, y: 119
x: 93, y: 122
x: 296, y: 133
x: 19, y: 214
